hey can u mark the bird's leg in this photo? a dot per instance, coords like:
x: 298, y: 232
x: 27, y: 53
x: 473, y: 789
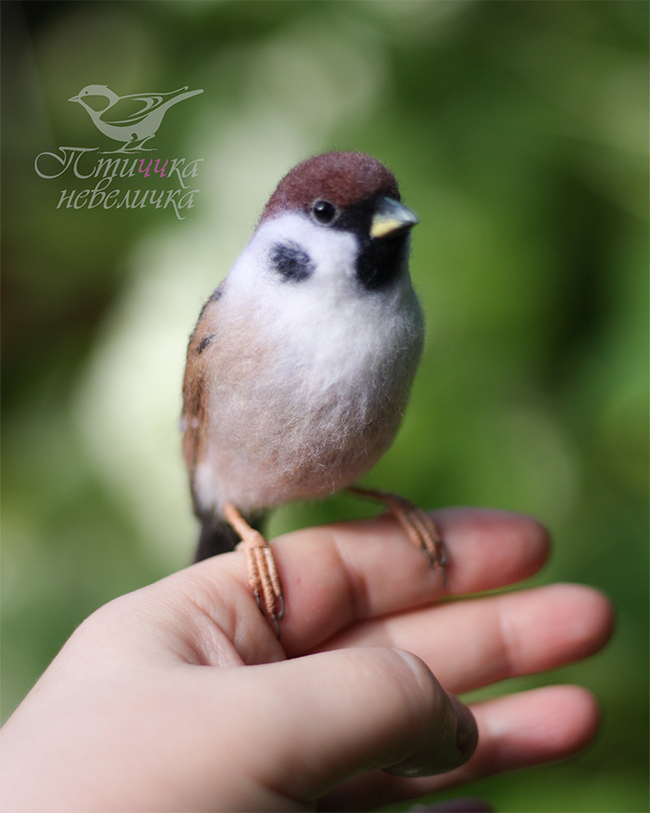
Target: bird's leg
x: 136, y: 146
x: 263, y: 575
x: 416, y: 523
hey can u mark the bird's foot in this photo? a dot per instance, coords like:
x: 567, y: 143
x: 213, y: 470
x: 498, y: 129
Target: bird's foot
x: 263, y: 576
x: 416, y: 523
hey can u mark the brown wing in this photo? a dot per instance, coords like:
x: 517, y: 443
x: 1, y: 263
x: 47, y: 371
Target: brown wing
x: 194, y: 385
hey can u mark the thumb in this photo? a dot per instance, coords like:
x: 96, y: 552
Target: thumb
x: 337, y: 714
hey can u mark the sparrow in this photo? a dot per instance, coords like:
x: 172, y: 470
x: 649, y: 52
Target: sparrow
x: 133, y: 119
x: 299, y: 368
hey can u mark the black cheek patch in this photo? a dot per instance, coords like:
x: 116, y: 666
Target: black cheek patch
x: 292, y: 262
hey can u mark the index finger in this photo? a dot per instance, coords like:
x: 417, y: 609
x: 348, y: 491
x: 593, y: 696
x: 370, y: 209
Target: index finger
x: 337, y: 575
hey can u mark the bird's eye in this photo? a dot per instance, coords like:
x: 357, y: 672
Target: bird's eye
x: 324, y: 212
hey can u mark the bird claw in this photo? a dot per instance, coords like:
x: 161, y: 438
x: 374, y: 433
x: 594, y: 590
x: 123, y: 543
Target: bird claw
x: 282, y: 609
x: 279, y: 616
x: 263, y: 576
x: 438, y: 559
x: 274, y: 618
x: 416, y: 523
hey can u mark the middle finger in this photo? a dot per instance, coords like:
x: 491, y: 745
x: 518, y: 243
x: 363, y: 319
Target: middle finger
x: 473, y: 642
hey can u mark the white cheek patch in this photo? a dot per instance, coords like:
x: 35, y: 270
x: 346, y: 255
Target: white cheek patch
x: 331, y: 253
x: 300, y: 312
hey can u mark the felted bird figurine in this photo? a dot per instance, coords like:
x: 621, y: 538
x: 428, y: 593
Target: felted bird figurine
x: 132, y: 119
x: 299, y: 368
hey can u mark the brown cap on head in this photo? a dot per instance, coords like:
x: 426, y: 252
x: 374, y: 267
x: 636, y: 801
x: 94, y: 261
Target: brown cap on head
x: 342, y: 178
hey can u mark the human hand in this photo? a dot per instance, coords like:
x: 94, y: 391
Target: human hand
x: 179, y: 696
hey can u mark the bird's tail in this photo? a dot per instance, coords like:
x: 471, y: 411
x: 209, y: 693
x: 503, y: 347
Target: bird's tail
x: 217, y: 536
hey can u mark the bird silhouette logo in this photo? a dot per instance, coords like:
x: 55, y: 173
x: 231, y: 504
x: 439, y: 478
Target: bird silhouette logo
x: 133, y: 119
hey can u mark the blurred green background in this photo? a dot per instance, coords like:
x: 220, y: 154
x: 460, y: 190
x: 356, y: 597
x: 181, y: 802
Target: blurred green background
x: 519, y: 132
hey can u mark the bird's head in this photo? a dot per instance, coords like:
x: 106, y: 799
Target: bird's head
x: 339, y: 213
x: 102, y: 95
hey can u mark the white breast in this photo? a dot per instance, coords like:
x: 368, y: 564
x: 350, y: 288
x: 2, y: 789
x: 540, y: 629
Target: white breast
x: 308, y: 379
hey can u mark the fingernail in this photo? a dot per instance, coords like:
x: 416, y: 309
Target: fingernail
x: 466, y: 728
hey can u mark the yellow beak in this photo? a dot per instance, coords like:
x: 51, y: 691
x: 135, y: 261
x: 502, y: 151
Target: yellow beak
x: 390, y: 218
